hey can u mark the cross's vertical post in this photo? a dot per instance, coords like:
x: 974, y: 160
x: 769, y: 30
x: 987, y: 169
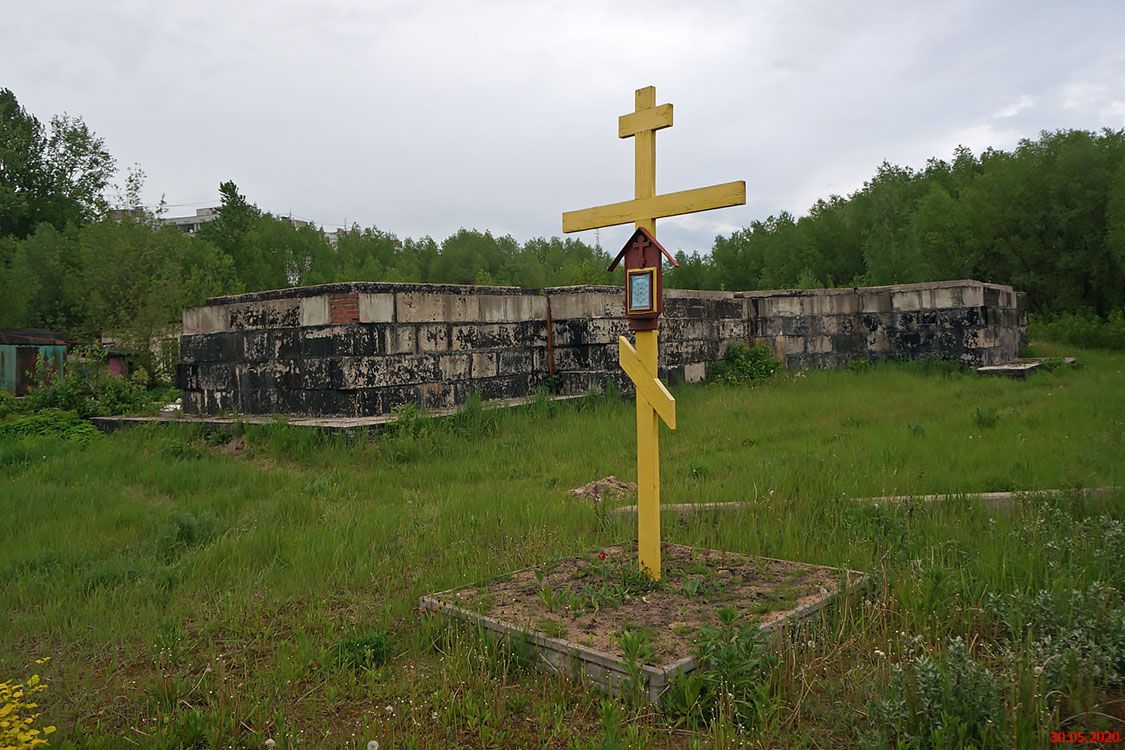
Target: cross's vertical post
x: 644, y: 158
x: 644, y: 297
x: 648, y: 466
x: 648, y: 425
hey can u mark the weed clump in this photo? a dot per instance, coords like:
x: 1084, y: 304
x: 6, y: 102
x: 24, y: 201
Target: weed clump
x: 732, y: 680
x: 745, y: 365
x: 944, y: 701
x: 366, y: 651
x: 986, y: 418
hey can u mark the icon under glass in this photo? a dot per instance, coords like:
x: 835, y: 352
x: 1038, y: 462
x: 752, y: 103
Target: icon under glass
x: 640, y: 292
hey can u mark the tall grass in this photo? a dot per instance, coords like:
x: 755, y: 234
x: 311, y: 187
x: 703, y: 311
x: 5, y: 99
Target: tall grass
x: 195, y: 592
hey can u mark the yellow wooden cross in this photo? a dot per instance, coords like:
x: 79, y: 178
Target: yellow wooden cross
x: 653, y: 400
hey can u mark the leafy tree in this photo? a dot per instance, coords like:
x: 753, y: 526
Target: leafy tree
x: 230, y: 233
x: 21, y: 167
x: 57, y: 177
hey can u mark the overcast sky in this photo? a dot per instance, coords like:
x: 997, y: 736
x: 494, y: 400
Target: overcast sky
x: 422, y: 117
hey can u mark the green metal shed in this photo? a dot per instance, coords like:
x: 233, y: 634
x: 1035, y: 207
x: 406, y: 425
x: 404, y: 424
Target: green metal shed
x: 19, y: 349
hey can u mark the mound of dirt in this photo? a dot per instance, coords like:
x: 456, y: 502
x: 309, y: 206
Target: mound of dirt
x: 597, y: 491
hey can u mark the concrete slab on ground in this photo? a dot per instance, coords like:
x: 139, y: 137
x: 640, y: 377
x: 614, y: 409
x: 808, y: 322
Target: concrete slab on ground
x: 991, y: 499
x: 326, y: 424
x: 586, y: 646
x: 1021, y: 368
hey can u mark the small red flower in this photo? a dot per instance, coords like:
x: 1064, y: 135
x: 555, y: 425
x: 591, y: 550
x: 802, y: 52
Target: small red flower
x: 601, y: 555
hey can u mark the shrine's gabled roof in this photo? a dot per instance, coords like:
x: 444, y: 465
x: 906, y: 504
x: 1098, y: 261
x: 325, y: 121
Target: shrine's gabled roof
x: 632, y: 239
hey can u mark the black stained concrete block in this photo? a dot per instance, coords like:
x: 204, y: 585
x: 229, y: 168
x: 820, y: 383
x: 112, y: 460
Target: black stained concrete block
x: 572, y: 358
x: 286, y: 374
x: 395, y: 397
x: 436, y: 396
x: 250, y: 376
x: 215, y: 376
x: 225, y: 347
x: 270, y: 344
x: 369, y: 402
x: 286, y: 342
x: 514, y: 362
x: 671, y: 375
x: 191, y: 347
x: 574, y: 332
x: 797, y: 325
x: 257, y: 346
x: 369, y: 340
x: 972, y: 316
x: 409, y: 369
x: 849, y: 344
x: 676, y: 307
x: 506, y: 386
x: 871, y: 322
x: 327, y: 341
x: 434, y: 337
x: 187, y: 376
x: 265, y: 316
x: 728, y: 308
x: 486, y: 336
x: 330, y: 403
x: 253, y: 401
x: 216, y: 401
x: 290, y: 401
x: 319, y: 374
x: 193, y: 401
x: 603, y: 356
x: 531, y: 333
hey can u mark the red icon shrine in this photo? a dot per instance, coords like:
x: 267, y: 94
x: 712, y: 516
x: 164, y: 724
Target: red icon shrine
x: 644, y: 279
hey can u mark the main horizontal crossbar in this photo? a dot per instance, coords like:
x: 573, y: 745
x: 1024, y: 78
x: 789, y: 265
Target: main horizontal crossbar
x: 656, y: 207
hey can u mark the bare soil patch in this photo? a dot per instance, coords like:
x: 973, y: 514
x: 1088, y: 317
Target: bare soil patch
x: 591, y: 600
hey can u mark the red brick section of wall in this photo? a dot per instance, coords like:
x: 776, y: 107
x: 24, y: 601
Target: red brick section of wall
x: 343, y: 308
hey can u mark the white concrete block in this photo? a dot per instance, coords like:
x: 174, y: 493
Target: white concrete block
x: 206, y: 320
x: 376, y: 308
x: 314, y: 311
x: 695, y: 372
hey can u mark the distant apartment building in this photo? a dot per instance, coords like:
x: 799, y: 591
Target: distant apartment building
x: 191, y: 224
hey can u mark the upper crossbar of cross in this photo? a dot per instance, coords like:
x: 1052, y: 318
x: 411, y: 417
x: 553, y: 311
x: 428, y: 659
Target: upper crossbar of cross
x: 646, y: 206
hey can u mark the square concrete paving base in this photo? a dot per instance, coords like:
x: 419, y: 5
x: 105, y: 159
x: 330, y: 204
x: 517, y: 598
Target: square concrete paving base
x: 610, y: 672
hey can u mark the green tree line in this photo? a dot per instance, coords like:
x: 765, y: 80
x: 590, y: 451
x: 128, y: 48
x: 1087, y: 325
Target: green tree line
x: 1047, y: 217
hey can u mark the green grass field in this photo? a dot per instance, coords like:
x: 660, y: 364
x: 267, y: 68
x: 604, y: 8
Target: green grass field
x: 192, y: 595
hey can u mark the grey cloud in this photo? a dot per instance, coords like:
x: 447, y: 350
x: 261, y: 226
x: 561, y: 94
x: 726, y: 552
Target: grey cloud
x: 423, y: 117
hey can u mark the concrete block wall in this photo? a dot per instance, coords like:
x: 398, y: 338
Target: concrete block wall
x: 363, y: 348
x: 970, y: 321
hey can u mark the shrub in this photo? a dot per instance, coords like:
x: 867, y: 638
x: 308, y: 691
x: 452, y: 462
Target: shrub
x: 18, y: 716
x: 49, y: 423
x: 947, y: 701
x: 9, y: 404
x: 745, y: 365
x: 1083, y: 329
x: 1078, y: 635
x: 89, y: 389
